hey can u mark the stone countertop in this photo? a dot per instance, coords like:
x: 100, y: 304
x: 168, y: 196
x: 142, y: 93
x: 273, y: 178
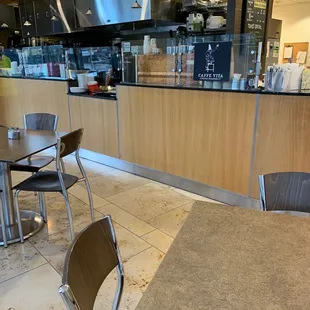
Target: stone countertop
x: 87, y: 95
x: 232, y: 258
x: 254, y: 91
x: 37, y: 78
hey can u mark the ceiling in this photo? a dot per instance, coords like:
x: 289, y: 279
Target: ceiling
x: 288, y: 2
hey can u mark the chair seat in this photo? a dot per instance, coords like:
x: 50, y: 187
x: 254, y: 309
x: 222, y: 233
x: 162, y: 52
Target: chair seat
x: 46, y: 181
x: 32, y: 164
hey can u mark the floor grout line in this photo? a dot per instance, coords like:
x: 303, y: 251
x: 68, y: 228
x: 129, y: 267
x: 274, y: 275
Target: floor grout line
x: 20, y: 274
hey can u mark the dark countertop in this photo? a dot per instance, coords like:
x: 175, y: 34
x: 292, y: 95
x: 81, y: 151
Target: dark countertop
x: 40, y: 78
x: 254, y: 91
x: 87, y: 95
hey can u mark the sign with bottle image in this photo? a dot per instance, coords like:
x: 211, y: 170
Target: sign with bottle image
x: 212, y: 61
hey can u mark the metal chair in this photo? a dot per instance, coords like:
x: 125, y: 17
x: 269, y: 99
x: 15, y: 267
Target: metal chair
x: 56, y: 181
x: 2, y: 222
x: 285, y: 191
x: 89, y: 260
x: 37, y: 121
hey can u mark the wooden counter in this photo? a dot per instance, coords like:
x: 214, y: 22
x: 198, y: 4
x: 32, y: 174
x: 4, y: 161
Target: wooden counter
x: 22, y: 96
x: 282, y: 136
x: 99, y: 120
x: 207, y: 136
x: 202, y: 136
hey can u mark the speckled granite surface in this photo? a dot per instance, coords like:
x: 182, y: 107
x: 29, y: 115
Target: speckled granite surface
x: 232, y: 258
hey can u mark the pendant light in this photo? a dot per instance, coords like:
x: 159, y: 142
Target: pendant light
x: 89, y: 12
x: 136, y: 5
x: 26, y: 23
x: 4, y: 25
x: 54, y: 18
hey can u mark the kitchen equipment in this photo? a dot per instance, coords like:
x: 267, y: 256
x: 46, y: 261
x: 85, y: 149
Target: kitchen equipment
x: 77, y: 90
x: 92, y: 86
x: 153, y: 44
x: 215, y: 22
x: 217, y: 85
x: 84, y: 78
x: 242, y: 84
x: 227, y: 85
x: 147, y: 48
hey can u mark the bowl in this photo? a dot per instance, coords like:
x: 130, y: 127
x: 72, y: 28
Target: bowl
x: 77, y: 90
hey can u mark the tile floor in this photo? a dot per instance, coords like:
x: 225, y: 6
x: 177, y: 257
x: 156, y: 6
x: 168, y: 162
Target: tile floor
x: 147, y: 216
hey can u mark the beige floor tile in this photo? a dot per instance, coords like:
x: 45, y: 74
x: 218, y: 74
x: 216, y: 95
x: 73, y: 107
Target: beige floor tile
x: 35, y: 290
x: 113, y: 182
x: 171, y: 222
x: 129, y: 244
x: 57, y: 219
x: 89, y: 166
x: 159, y: 240
x: 18, y: 258
x: 127, y: 220
x: 53, y: 247
x: 139, y: 271
x: 149, y: 200
x: 194, y: 196
x: 81, y: 193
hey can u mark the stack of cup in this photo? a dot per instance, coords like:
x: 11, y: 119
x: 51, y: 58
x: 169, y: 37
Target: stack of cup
x: 147, y: 48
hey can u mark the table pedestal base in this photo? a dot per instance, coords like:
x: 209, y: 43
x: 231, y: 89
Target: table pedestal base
x: 32, y: 222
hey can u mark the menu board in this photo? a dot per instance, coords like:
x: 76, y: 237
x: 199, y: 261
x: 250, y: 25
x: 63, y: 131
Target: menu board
x: 256, y: 13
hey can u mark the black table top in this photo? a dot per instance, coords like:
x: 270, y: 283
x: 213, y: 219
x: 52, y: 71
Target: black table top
x: 30, y: 142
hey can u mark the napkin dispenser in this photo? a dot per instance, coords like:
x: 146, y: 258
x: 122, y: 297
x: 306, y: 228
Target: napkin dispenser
x: 14, y: 133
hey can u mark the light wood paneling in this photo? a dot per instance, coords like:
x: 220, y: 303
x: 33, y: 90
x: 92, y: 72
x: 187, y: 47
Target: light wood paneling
x: 283, y: 136
x: 10, y: 102
x: 203, y: 136
x: 23, y: 96
x: 141, y: 125
x: 99, y: 120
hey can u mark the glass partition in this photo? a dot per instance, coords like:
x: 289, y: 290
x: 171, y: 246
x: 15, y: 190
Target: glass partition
x: 172, y: 62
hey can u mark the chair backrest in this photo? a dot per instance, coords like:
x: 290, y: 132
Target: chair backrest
x: 41, y: 121
x: 69, y: 143
x: 89, y: 260
x: 289, y: 191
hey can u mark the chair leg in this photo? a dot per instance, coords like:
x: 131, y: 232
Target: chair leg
x: 42, y: 206
x: 63, y: 168
x: 4, y: 236
x: 90, y: 198
x: 65, y: 194
x: 17, y: 211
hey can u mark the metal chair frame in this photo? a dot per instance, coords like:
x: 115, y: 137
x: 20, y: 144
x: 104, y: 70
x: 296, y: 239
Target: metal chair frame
x: 64, y: 191
x: 2, y: 222
x: 65, y: 289
x: 297, y: 200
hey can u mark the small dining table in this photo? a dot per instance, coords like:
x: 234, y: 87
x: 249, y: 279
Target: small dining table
x: 11, y: 151
x: 228, y: 257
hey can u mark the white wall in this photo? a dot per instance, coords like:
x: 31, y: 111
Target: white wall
x: 295, y: 24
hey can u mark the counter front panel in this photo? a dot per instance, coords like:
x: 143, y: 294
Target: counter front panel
x: 206, y: 137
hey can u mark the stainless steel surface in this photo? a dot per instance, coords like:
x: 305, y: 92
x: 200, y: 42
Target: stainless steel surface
x: 114, y: 12
x: 5, y: 240
x: 90, y: 197
x: 31, y: 224
x: 7, y: 197
x: 179, y: 182
x: 42, y: 206
x: 18, y: 217
x: 63, y: 188
x: 253, y: 144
